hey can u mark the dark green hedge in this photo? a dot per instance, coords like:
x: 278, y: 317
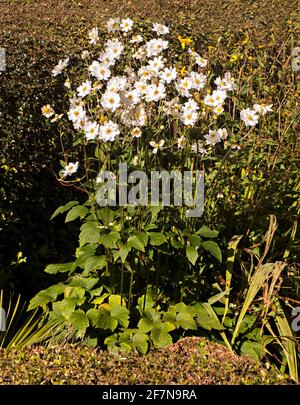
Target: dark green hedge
x: 30, y: 154
x: 189, y: 361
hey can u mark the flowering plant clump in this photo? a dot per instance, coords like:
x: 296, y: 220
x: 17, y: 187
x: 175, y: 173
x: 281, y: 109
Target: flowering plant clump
x: 145, y: 93
x: 147, y: 98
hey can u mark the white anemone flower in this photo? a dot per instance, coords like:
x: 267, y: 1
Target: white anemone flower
x: 155, y: 92
x: 212, y: 137
x: 136, y: 132
x: 216, y: 98
x: 99, y: 70
x: 144, y: 73
x: 185, y: 84
x: 189, y: 118
x: 168, y: 74
x: 113, y: 24
x: 249, y: 117
x: 227, y: 83
x: 67, y: 84
x: 110, y: 101
x: 223, y: 133
x: 155, y: 46
x: 114, y: 49
x: 91, y: 130
x: 84, y: 89
x: 126, y: 25
x: 70, y: 169
x: 201, y: 61
x: 190, y: 105
x: 157, y: 145
x: 140, y: 54
x: 198, y: 147
x: 58, y: 69
x: 198, y: 80
x: 116, y: 84
x: 106, y: 59
x: 263, y: 109
x: 109, y: 131
x: 141, y: 87
x: 155, y: 65
x: 160, y: 29
x: 94, y: 36
x: 136, y: 39
x: 47, y: 111
x: 130, y: 98
x: 219, y: 109
x: 76, y: 113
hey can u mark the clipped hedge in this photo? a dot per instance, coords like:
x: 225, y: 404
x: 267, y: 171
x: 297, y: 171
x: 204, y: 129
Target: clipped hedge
x: 189, y: 361
x: 35, y: 38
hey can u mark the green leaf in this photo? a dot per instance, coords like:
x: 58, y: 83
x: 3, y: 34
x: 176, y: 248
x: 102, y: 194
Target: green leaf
x: 106, y: 215
x: 94, y: 263
x: 143, y: 237
x: 182, y: 307
x: 191, y: 254
x: 176, y: 243
x: 111, y: 341
x: 150, y: 319
x: 80, y: 261
x: 149, y: 302
x: 75, y: 292
x: 79, y: 321
x: 102, y: 319
x: 65, y: 307
x: 86, y: 283
x: 186, y: 321
x: 157, y: 238
x: 195, y: 241
x: 63, y: 208
x: 213, y: 249
x: 252, y: 349
x: 93, y: 315
x: 205, y: 232
x: 58, y: 268
x: 140, y: 341
x: 121, y: 314
x: 136, y: 243
x: 55, y: 290
x: 100, y: 300
x: 145, y: 325
x: 171, y: 316
x: 109, y: 240
x: 79, y: 211
x: 89, y: 233
x: 41, y: 299
x: 160, y: 338
x: 122, y: 252
x: 231, y: 253
x: 167, y: 326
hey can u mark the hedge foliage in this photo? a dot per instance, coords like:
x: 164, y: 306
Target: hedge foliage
x: 189, y: 361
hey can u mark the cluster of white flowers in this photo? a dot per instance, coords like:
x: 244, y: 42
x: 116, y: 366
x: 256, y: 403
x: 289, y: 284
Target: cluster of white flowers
x: 131, y: 82
x: 250, y: 116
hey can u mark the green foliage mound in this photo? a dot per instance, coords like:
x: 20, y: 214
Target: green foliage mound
x: 189, y: 361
